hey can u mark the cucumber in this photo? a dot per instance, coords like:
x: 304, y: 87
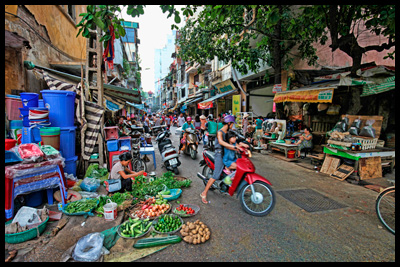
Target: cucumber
x: 157, y: 241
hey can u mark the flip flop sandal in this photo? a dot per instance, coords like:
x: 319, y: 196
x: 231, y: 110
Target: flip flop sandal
x: 204, y: 199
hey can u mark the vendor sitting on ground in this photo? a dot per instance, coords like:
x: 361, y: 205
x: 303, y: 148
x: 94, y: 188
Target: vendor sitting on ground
x: 305, y: 140
x: 120, y: 171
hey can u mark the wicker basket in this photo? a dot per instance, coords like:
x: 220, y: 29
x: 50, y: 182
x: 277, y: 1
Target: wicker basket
x: 366, y: 142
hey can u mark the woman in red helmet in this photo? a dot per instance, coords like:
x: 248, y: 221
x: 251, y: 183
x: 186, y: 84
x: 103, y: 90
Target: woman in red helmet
x: 187, y: 124
x: 220, y: 143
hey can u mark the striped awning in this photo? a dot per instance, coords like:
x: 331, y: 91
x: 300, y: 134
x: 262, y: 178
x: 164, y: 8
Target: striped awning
x: 375, y: 88
x: 89, y: 116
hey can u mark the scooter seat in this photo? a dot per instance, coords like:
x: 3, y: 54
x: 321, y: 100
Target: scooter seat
x: 210, y: 155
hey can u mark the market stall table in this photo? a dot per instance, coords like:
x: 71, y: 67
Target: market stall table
x: 283, y: 147
x: 385, y: 153
x: 26, y: 178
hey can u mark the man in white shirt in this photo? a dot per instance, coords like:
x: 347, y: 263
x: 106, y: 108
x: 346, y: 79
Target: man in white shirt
x: 181, y: 120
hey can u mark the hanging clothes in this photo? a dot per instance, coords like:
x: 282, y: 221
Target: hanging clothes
x: 109, y: 52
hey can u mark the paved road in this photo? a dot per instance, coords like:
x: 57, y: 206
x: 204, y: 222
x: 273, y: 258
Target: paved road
x: 288, y: 233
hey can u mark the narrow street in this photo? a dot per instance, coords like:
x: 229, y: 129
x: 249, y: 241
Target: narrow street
x: 288, y: 233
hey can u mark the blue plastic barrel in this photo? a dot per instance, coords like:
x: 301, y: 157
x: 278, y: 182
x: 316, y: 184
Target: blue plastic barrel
x: 61, y: 105
x: 67, y: 141
x: 34, y: 199
x: 29, y: 99
x: 70, y: 165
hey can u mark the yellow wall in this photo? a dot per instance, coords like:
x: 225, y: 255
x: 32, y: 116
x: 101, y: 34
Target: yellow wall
x: 60, y: 28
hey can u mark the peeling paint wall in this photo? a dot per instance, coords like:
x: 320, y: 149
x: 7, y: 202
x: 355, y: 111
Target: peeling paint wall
x: 51, y: 34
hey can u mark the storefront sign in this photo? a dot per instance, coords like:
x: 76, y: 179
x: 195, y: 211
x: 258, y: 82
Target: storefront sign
x: 206, y: 105
x: 225, y: 86
x: 277, y: 88
x: 310, y: 96
x: 235, y: 104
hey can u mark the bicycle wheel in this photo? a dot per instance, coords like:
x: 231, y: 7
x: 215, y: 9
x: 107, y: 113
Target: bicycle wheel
x: 139, y: 165
x: 385, y: 208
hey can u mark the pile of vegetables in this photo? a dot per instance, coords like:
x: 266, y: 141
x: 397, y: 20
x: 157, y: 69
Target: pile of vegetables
x: 195, y: 233
x: 141, y: 188
x: 83, y: 205
x: 152, y: 207
x: 168, y: 223
x: 134, y: 228
x: 117, y: 197
x: 184, y: 210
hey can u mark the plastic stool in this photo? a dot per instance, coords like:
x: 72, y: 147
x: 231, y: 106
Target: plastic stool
x: 148, y: 151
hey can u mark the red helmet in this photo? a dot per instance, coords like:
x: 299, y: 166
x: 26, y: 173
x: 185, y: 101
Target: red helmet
x: 189, y: 118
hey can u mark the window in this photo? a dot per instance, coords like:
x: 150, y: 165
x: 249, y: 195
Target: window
x: 71, y: 12
x: 183, y: 91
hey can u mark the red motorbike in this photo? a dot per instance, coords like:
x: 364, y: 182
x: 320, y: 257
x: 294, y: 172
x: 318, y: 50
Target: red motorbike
x: 254, y: 191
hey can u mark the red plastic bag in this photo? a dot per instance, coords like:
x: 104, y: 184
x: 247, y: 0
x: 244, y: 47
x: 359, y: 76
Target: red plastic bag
x: 30, y: 151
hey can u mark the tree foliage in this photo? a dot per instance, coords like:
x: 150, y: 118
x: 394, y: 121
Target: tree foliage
x: 345, y: 24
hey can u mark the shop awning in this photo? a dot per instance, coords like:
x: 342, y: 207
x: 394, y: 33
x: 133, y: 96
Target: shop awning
x: 193, y: 100
x: 375, y: 88
x: 112, y: 91
x: 208, y: 103
x: 137, y: 106
x: 316, y: 93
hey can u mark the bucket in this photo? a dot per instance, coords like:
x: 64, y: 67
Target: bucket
x: 9, y: 143
x: 61, y: 105
x: 25, y: 116
x: 110, y: 210
x: 67, y: 141
x: 29, y: 99
x: 70, y: 165
x: 51, y: 136
x: 34, y: 199
x: 15, y: 128
x: 290, y: 154
x: 13, y: 103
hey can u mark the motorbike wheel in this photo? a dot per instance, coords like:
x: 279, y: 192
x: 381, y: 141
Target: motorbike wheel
x: 176, y: 171
x: 193, y: 153
x: 261, y: 202
x: 139, y: 165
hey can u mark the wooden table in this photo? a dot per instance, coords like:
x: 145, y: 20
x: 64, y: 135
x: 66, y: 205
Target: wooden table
x: 386, y: 154
x: 283, y: 146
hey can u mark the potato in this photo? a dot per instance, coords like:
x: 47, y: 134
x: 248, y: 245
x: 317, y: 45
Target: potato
x: 194, y: 232
x: 203, y: 240
x: 191, y: 226
x: 207, y: 237
x: 187, y: 239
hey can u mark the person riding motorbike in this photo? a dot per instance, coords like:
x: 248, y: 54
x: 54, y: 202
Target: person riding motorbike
x: 220, y: 143
x: 187, y: 124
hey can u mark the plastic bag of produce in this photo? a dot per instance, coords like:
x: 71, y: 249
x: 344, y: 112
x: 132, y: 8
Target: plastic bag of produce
x: 368, y: 130
x: 88, y: 248
x: 90, y: 184
x: 355, y: 127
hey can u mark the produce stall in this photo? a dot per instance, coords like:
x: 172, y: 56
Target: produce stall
x: 355, y: 141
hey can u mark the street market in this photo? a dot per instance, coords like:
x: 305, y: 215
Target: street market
x: 216, y: 166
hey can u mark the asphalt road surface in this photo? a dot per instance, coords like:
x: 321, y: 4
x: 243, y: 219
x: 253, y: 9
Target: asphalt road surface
x: 288, y: 233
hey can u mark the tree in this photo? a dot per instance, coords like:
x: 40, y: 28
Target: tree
x: 245, y: 35
x: 344, y: 24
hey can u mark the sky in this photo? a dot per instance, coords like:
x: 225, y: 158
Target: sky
x: 153, y: 30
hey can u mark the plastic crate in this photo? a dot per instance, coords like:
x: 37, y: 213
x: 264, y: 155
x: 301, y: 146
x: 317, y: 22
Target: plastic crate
x: 124, y: 141
x: 13, y: 103
x: 366, y: 142
x: 112, y: 145
x: 111, y: 132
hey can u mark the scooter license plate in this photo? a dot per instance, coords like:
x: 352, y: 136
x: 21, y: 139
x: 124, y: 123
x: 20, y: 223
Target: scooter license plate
x: 173, y: 161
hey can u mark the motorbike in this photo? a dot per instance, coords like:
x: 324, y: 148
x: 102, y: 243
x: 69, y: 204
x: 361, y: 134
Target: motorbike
x: 155, y: 130
x: 169, y: 154
x: 255, y: 192
x: 191, y: 143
